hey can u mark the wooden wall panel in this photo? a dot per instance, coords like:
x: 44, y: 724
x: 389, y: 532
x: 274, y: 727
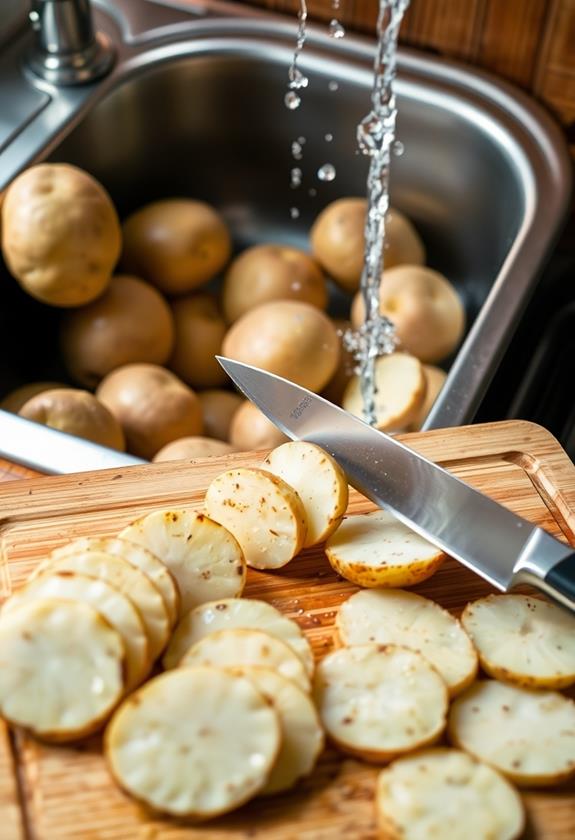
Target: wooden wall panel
x: 510, y: 37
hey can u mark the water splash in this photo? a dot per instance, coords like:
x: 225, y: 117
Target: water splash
x: 326, y: 172
x: 296, y: 79
x: 335, y: 29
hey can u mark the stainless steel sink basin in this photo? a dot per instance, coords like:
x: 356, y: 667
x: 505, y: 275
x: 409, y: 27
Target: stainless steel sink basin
x: 195, y: 107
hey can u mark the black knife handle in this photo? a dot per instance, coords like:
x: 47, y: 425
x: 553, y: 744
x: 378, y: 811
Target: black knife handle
x: 561, y: 577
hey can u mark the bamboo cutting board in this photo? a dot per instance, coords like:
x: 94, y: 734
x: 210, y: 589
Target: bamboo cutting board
x: 59, y: 793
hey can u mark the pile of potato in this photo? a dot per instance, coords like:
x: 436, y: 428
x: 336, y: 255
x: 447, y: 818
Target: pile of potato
x: 149, y: 303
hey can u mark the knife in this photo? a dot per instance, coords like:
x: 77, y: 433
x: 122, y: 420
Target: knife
x: 483, y: 535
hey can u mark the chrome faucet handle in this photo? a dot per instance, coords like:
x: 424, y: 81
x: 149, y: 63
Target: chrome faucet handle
x: 66, y: 51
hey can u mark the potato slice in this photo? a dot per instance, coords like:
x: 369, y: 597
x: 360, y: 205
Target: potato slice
x: 231, y: 614
x: 62, y: 667
x: 129, y: 580
x: 400, y: 391
x: 379, y: 701
x: 523, y: 640
x: 376, y: 549
x: 527, y: 735
x: 448, y: 795
x: 318, y: 480
x: 302, y: 735
x: 195, y: 742
x: 229, y: 648
x: 264, y: 514
x: 203, y: 557
x: 136, y: 555
x: 393, y: 616
x: 109, y: 602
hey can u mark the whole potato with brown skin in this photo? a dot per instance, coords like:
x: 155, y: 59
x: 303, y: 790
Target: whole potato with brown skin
x: 218, y: 409
x: 130, y: 322
x: 336, y: 386
x: 193, y: 447
x: 176, y: 244
x: 427, y: 312
x: 15, y: 399
x: 271, y: 272
x: 61, y: 236
x: 152, y: 405
x: 199, y: 333
x: 288, y: 338
x: 338, y: 241
x: 77, y: 413
x: 251, y: 429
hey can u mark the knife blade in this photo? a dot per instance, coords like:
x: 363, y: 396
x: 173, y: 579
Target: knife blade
x: 478, y: 532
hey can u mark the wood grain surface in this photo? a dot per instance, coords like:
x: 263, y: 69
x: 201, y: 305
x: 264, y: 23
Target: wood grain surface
x: 66, y: 792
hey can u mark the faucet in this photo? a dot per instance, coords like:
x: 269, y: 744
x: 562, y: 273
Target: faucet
x: 66, y: 50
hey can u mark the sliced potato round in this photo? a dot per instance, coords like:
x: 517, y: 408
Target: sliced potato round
x: 129, y: 580
x: 229, y: 648
x: 527, y: 735
x: 136, y: 555
x: 318, y: 480
x: 400, y: 391
x: 203, y: 557
x: 448, y: 795
x: 264, y: 514
x: 393, y: 616
x: 62, y: 669
x: 376, y: 549
x: 231, y: 614
x: 380, y: 701
x: 523, y: 640
x: 109, y: 602
x: 195, y: 742
x: 302, y: 735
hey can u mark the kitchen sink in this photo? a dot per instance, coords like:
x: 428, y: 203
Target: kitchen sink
x: 195, y: 107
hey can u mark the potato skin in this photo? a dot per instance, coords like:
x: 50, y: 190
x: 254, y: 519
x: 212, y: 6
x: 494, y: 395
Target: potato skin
x: 199, y: 333
x: 14, y: 400
x: 193, y: 447
x: 219, y: 407
x: 176, y: 244
x: 130, y: 322
x: 61, y: 235
x: 251, y: 429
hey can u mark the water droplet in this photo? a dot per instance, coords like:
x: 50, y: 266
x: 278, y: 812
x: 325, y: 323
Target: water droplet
x: 297, y: 80
x: 328, y: 138
x: 294, y: 212
x: 335, y: 29
x: 301, y: 140
x: 398, y: 148
x: 335, y: 4
x: 312, y: 192
x: 333, y: 86
x: 296, y: 285
x: 296, y: 150
x: 326, y: 172
x: 295, y: 177
x: 292, y: 100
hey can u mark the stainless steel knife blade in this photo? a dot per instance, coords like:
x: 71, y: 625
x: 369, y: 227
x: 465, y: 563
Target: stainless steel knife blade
x: 482, y: 534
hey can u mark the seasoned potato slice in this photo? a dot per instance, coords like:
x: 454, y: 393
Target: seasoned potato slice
x: 136, y: 555
x: 379, y: 701
x: 109, y: 602
x: 129, y: 580
x: 318, y: 480
x: 264, y: 514
x: 393, y: 616
x: 523, y: 640
x: 204, y: 558
x: 527, y: 735
x: 302, y: 736
x: 376, y: 549
x: 231, y: 614
x: 195, y: 742
x: 229, y: 648
x: 448, y: 795
x: 62, y: 667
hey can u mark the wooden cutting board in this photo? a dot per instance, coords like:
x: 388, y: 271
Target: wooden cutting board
x: 58, y: 793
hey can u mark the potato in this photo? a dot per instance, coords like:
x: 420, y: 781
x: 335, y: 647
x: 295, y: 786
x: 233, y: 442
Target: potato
x: 338, y: 240
x: 218, y: 409
x: 335, y: 388
x: 152, y: 405
x: 77, y: 413
x: 251, y: 429
x: 271, y: 272
x: 130, y: 322
x: 176, y: 244
x: 15, y: 399
x: 435, y: 378
x: 193, y: 447
x: 425, y: 309
x: 289, y: 338
x: 199, y: 331
x: 61, y: 236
